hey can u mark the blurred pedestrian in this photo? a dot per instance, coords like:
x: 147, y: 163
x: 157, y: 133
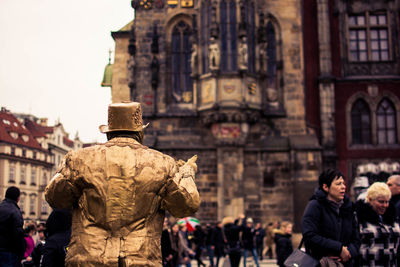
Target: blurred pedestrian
x: 270, y: 239
x: 394, y: 185
x: 199, y: 237
x: 232, y: 235
x: 12, y: 242
x: 37, y: 252
x: 218, y: 243
x: 329, y: 225
x: 209, y: 244
x: 29, y: 232
x: 166, y: 249
x: 260, y: 235
x: 379, y: 229
x: 181, y: 251
x: 248, y: 241
x: 284, y: 246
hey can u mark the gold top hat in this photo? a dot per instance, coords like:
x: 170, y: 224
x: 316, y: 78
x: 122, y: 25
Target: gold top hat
x: 125, y: 116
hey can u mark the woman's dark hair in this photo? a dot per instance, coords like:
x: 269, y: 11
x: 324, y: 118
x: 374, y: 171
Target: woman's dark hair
x: 328, y: 176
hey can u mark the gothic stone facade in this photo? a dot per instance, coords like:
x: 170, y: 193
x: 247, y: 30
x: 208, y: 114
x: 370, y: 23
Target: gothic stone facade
x: 225, y: 80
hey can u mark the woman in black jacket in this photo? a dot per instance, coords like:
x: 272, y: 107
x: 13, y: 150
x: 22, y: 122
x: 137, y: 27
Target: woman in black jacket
x: 329, y: 224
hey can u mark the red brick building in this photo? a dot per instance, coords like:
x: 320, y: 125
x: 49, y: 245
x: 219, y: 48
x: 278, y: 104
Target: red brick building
x: 352, y: 77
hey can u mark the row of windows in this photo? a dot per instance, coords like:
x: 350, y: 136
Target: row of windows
x: 361, y: 122
x: 31, y: 205
x: 23, y: 175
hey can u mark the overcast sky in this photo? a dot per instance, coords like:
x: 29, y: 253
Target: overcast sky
x: 52, y: 59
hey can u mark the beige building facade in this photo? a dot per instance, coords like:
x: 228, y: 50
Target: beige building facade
x: 30, y: 152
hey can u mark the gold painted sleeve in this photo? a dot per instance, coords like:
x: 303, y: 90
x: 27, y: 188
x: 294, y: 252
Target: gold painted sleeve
x: 61, y: 193
x: 181, y: 197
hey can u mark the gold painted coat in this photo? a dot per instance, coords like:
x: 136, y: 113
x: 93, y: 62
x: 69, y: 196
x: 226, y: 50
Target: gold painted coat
x: 119, y: 192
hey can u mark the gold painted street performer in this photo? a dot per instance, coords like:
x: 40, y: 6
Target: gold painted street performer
x: 119, y: 192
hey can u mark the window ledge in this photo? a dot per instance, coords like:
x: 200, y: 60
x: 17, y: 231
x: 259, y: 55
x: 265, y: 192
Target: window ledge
x: 374, y: 146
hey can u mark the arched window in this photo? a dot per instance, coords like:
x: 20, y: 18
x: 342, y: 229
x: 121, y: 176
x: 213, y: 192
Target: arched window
x: 205, y: 33
x: 386, y: 122
x: 271, y: 56
x: 250, y: 20
x: 182, y: 87
x: 361, y: 122
x: 228, y: 36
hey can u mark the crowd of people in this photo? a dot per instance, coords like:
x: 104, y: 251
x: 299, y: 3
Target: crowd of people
x: 336, y: 231
x: 233, y: 239
x: 27, y: 244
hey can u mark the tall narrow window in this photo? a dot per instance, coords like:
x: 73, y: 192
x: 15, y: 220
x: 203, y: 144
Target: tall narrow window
x: 33, y: 176
x: 11, y: 177
x: 386, y: 122
x: 233, y: 39
x: 44, y: 179
x: 271, y: 56
x: 361, y: 123
x: 369, y: 37
x: 182, y: 88
x: 250, y: 19
x: 23, y: 175
x: 32, y: 202
x: 228, y: 36
x: 205, y: 33
x: 21, y: 202
x: 44, y: 207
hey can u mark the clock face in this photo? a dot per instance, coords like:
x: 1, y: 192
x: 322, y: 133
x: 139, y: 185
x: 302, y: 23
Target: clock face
x: 145, y: 3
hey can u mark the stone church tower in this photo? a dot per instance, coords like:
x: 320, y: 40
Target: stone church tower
x: 224, y: 79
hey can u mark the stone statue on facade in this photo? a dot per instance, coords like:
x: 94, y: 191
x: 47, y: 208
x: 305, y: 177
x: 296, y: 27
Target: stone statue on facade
x: 243, y: 54
x: 213, y: 54
x: 118, y: 193
x: 193, y: 59
x: 263, y: 57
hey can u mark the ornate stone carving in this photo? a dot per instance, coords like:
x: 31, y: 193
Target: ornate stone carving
x: 214, y: 54
x: 243, y: 54
x: 193, y: 59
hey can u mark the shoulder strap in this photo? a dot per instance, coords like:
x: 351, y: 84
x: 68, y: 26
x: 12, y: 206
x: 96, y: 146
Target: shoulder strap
x: 301, y: 243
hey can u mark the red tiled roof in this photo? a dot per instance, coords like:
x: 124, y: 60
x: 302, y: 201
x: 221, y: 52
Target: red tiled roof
x: 68, y: 142
x: 10, y: 124
x: 38, y: 130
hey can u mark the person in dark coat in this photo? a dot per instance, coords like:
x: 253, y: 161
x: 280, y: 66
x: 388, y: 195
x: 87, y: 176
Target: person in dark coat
x: 58, y: 233
x: 218, y: 243
x: 260, y: 235
x: 232, y: 235
x: 12, y: 242
x: 199, y: 241
x: 37, y: 252
x: 329, y: 224
x: 248, y: 241
x: 284, y: 246
x: 166, y: 249
x: 379, y: 228
x: 394, y: 185
x: 209, y: 244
